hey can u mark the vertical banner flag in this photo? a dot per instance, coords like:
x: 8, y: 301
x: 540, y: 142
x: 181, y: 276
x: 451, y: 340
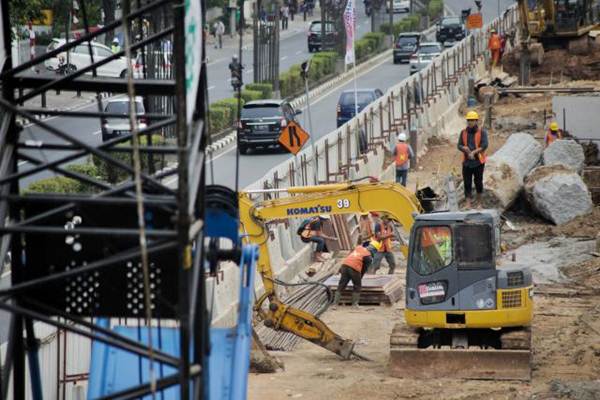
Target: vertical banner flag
x: 350, y: 24
x: 193, y: 51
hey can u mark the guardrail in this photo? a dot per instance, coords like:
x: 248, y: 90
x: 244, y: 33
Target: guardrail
x: 422, y: 104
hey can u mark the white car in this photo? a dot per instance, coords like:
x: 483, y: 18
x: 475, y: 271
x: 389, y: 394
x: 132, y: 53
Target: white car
x: 399, y: 6
x: 79, y: 58
x: 426, y: 53
x: 117, y: 126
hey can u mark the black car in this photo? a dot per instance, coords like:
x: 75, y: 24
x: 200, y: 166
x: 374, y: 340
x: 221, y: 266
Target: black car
x: 262, y: 122
x: 314, y: 36
x: 406, y: 45
x: 450, y: 30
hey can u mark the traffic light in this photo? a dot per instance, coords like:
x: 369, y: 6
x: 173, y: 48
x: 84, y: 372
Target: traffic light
x: 236, y: 73
x: 304, y: 67
x: 478, y: 4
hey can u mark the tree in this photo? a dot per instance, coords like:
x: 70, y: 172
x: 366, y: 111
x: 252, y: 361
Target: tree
x: 109, y: 7
x: 23, y: 11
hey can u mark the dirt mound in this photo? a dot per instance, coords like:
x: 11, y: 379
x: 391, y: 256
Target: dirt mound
x: 584, y: 226
x: 576, y: 390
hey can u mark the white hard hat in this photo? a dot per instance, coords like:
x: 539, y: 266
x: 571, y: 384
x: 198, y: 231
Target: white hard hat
x: 324, y: 216
x: 402, y: 137
x: 115, y: 40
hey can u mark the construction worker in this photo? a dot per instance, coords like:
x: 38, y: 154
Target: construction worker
x: 494, y: 45
x: 553, y: 134
x: 353, y: 268
x: 311, y: 231
x: 384, y: 232
x: 403, y: 153
x: 365, y: 228
x: 115, y: 48
x: 436, y: 248
x: 472, y: 142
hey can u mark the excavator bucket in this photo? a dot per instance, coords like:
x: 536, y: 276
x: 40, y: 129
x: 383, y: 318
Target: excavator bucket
x: 510, y: 363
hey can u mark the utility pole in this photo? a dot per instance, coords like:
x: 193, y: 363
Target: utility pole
x: 266, y: 44
x: 304, y: 67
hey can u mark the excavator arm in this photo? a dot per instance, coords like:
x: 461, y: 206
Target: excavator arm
x: 307, y: 201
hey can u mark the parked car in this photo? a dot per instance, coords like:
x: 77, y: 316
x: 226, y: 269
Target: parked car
x: 450, y: 30
x: 426, y: 53
x: 406, y: 45
x: 262, y: 122
x: 79, y: 58
x: 346, y: 109
x: 117, y: 126
x: 399, y: 6
x: 314, y: 36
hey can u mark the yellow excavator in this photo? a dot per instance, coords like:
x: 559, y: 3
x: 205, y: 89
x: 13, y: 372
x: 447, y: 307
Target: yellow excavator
x: 554, y: 23
x: 464, y: 316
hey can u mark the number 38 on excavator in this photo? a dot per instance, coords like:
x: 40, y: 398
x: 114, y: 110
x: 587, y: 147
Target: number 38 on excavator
x: 462, y: 313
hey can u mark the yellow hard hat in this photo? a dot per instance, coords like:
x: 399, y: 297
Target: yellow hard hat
x: 554, y: 126
x: 472, y: 115
x: 375, y: 244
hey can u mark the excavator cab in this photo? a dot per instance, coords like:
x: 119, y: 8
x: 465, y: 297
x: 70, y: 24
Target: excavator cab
x: 461, y: 309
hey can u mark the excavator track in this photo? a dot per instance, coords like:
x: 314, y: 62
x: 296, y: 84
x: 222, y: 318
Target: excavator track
x: 512, y: 361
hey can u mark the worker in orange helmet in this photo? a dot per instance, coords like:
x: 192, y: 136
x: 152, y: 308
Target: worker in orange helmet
x: 494, y: 45
x: 553, y: 134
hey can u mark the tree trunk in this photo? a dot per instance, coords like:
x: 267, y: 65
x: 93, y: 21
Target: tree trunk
x: 108, y: 6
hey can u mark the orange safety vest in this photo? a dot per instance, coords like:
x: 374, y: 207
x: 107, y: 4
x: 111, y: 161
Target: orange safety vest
x: 402, y: 154
x: 480, y: 155
x: 386, y: 245
x: 355, y: 259
x: 550, y: 138
x: 433, y: 235
x: 494, y: 42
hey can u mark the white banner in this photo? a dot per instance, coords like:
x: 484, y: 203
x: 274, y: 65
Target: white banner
x: 350, y: 25
x: 193, y: 54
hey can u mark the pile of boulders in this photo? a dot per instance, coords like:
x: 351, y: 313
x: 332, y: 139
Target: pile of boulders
x: 554, y: 189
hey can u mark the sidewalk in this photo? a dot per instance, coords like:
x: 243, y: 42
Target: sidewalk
x: 296, y: 26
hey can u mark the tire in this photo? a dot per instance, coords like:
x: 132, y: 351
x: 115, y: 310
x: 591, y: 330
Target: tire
x: 243, y: 149
x: 396, y: 61
x: 123, y: 74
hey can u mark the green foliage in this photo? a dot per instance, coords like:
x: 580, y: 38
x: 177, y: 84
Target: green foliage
x: 407, y: 24
x: 362, y: 49
x: 251, y: 95
x: 435, y: 9
x: 266, y: 89
x: 376, y: 38
x: 113, y: 174
x: 57, y: 184
x: 322, y: 66
x: 219, y: 118
x: 22, y: 11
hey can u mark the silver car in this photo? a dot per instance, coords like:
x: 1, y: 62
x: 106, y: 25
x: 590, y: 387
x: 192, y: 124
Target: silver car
x: 117, y: 126
x: 426, y: 53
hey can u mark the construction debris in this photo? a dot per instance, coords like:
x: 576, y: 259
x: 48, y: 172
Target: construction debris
x: 376, y: 289
x: 566, y: 152
x: 506, y: 169
x: 558, y: 193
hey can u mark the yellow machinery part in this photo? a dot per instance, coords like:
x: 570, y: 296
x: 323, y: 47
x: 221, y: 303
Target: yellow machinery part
x: 514, y: 308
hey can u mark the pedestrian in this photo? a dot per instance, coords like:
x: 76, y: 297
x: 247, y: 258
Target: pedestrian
x: 285, y: 15
x: 219, y: 28
x: 365, y: 228
x: 553, y: 134
x: 115, y: 48
x: 403, y: 153
x: 353, y: 269
x: 311, y: 231
x: 384, y: 232
x: 494, y: 45
x: 293, y: 9
x: 472, y: 143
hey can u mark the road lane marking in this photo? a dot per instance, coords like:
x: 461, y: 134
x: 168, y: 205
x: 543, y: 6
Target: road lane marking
x: 299, y: 52
x: 211, y: 87
x: 97, y: 132
x: 283, y: 58
x: 22, y: 163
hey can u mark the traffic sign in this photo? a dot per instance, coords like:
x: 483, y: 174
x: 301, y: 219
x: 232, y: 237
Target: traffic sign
x: 293, y: 137
x: 474, y: 21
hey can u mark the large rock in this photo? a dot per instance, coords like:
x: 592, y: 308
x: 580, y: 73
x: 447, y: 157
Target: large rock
x: 506, y: 169
x: 566, y: 152
x: 558, y: 193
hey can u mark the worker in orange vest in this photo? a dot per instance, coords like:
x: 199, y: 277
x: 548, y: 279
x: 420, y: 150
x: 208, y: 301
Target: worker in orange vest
x: 494, y: 45
x: 553, y: 134
x: 472, y: 143
x: 353, y: 268
x: 403, y: 153
x: 384, y: 232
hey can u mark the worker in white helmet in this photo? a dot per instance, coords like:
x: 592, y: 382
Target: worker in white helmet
x: 403, y: 153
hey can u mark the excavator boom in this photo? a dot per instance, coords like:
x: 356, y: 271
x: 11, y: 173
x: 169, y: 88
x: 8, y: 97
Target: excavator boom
x: 304, y: 202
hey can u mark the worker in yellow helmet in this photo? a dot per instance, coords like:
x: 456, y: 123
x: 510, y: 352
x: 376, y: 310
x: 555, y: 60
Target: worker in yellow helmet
x: 472, y: 143
x: 553, y: 134
x: 353, y: 268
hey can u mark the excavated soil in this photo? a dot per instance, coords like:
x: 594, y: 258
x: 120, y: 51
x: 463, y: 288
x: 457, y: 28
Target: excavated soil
x: 566, y: 325
x: 560, y: 66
